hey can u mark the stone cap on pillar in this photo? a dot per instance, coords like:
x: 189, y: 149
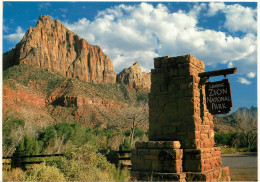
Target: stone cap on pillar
x: 161, y: 62
x: 158, y: 145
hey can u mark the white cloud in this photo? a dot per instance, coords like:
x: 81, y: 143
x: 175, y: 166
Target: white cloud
x: 238, y: 18
x: 5, y: 28
x: 15, y: 37
x: 251, y: 75
x: 197, y: 8
x: 215, y: 7
x: 230, y: 64
x: 243, y: 81
x: 44, y: 6
x: 141, y: 32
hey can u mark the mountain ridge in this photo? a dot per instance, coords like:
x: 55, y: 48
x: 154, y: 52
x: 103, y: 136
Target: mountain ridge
x: 236, y: 120
x: 51, y: 46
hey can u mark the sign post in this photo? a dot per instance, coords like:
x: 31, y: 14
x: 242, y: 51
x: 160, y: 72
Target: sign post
x: 218, y: 97
x: 218, y: 94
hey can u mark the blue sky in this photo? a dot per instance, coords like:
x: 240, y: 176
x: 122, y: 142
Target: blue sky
x: 221, y: 34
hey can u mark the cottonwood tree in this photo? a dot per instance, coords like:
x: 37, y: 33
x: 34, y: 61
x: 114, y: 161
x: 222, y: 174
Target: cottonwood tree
x: 248, y: 128
x: 135, y: 114
x: 13, y: 132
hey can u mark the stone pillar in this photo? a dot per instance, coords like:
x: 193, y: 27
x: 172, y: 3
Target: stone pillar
x: 178, y: 113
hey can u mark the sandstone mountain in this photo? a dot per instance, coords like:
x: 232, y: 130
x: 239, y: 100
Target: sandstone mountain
x: 41, y: 98
x: 53, y: 75
x: 50, y: 45
x: 134, y: 77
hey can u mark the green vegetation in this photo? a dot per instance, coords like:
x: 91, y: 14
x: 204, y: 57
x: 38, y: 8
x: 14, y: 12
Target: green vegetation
x: 47, y: 81
x: 13, y: 132
x: 29, y: 145
x: 236, y: 142
x: 59, y: 137
x: 81, y: 163
x: 43, y: 80
x: 125, y: 91
x: 89, y: 154
x: 142, y: 97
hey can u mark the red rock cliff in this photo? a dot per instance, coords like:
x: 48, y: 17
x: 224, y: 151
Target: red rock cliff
x: 50, y: 45
x: 134, y: 77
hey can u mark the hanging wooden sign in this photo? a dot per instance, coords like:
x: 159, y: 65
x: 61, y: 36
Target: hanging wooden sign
x: 218, y: 97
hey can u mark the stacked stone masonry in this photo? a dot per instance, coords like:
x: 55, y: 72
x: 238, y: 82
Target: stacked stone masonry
x: 158, y: 157
x: 178, y: 113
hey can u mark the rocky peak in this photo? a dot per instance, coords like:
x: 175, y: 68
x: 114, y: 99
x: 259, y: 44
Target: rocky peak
x: 134, y: 77
x: 50, y: 45
x: 136, y: 64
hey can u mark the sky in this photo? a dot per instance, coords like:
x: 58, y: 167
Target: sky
x: 222, y: 34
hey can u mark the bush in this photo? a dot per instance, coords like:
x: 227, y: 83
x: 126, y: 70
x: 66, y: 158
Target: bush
x: 16, y: 174
x: 125, y: 91
x: 142, y: 97
x: 44, y: 172
x: 85, y: 163
x: 139, y: 133
x: 224, y: 138
x: 126, y: 146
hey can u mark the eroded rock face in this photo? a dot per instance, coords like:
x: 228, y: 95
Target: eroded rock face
x: 50, y: 45
x: 134, y: 77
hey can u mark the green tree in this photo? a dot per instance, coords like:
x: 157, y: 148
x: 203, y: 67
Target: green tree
x: 13, y: 132
x: 29, y: 145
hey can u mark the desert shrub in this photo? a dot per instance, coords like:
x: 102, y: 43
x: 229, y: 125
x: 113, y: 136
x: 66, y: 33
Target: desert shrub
x: 126, y: 146
x: 85, y: 163
x: 138, y: 133
x: 142, y: 97
x: 122, y: 174
x: 15, y: 174
x: 44, y: 172
x: 125, y: 91
x: 127, y: 133
x: 111, y: 155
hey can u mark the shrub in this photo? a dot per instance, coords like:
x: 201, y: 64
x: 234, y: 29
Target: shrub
x: 138, y: 133
x: 85, y: 163
x: 142, y: 97
x: 126, y: 146
x: 224, y: 138
x: 44, y: 172
x: 122, y: 175
x: 127, y: 133
x: 125, y: 91
x: 16, y: 174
